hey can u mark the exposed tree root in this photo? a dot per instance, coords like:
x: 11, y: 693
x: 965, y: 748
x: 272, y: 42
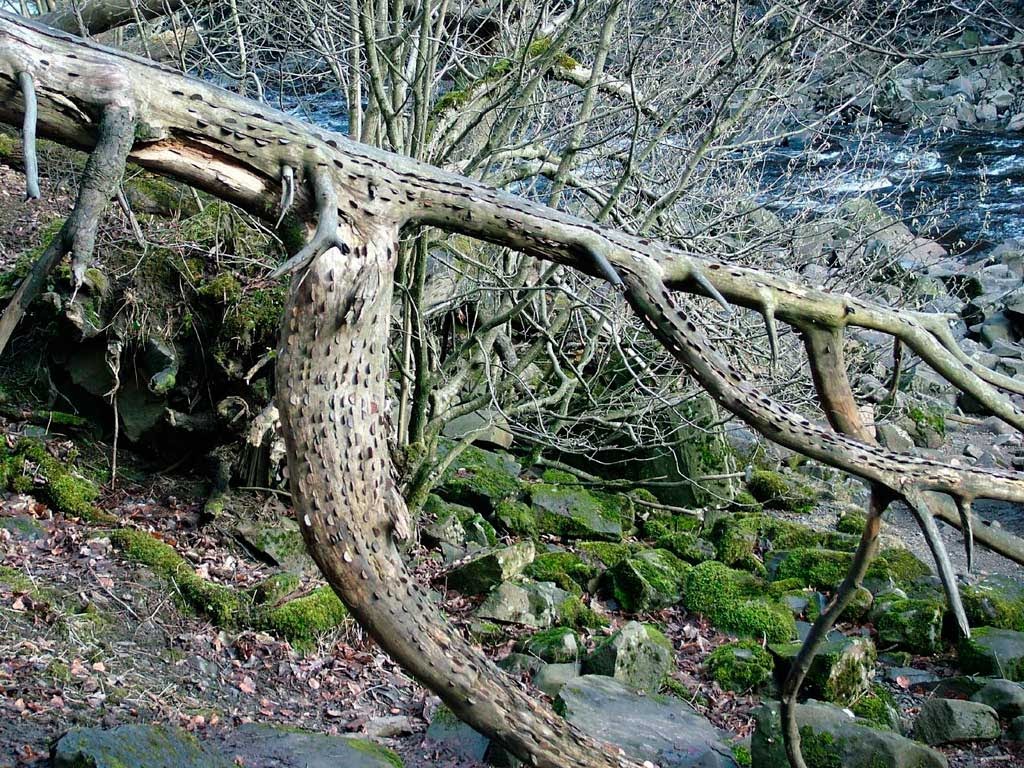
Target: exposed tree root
x: 103, y: 172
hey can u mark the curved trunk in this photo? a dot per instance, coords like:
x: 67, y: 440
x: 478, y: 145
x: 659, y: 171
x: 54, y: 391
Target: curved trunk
x: 331, y: 374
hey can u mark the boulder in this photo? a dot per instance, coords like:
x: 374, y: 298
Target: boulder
x: 479, y: 479
x: 533, y: 604
x: 488, y: 427
x: 831, y: 737
x: 134, y: 746
x: 994, y: 601
x: 667, y: 732
x: 482, y: 571
x: 551, y: 677
x: 461, y: 738
x: 648, y: 581
x: 259, y: 744
x: 993, y: 651
x: 841, y: 672
x: 1004, y: 696
x: 555, y: 645
x: 577, y: 513
x: 443, y: 523
x: 948, y: 721
x: 740, y: 666
x: 637, y: 656
x: 278, y: 541
x: 913, y: 625
x: 1016, y: 730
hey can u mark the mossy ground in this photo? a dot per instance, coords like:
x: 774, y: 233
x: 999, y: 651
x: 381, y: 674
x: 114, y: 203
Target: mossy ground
x: 30, y: 468
x: 740, y: 666
x: 302, y: 620
x: 218, y: 603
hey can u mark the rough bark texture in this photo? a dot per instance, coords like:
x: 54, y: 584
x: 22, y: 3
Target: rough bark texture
x: 333, y: 364
x: 331, y: 373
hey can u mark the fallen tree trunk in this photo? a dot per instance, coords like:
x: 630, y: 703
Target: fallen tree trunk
x: 333, y: 359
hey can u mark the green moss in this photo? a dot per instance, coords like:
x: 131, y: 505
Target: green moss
x: 376, y: 750
x: 8, y: 146
x: 744, y: 501
x: 852, y: 523
x: 728, y: 598
x: 818, y: 568
x: 557, y: 645
x: 15, y: 580
x: 878, y: 707
x: 453, y: 99
x: 649, y: 580
x: 566, y: 61
x: 302, y: 620
x: 273, y: 588
x: 994, y: 603
x: 538, y: 47
x: 928, y: 419
x: 223, y: 288
x: 565, y: 569
x: 773, y: 491
x: 574, y: 613
x: 49, y: 479
x: 559, y: 477
x: 684, y: 546
x: 900, y: 565
x: 516, y: 517
x: 913, y: 625
x: 740, y: 666
x: 160, y: 192
x: 609, y: 553
x: 741, y: 754
x: 658, y: 526
x: 218, y: 603
x: 479, y: 479
x: 820, y: 750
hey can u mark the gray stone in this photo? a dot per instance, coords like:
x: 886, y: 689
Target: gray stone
x: 134, y: 746
x: 915, y: 680
x: 848, y: 741
x: 556, y: 645
x: 992, y: 651
x: 259, y: 745
x: 667, y: 732
x: 1004, y: 696
x: 139, y: 409
x: 1016, y: 730
x: 488, y: 427
x: 573, y: 513
x: 459, y: 737
x: 551, y: 677
x: 278, y: 540
x: 532, y: 604
x: 483, y: 571
x: 894, y: 437
x: 23, y: 528
x: 633, y: 656
x: 947, y: 721
x: 842, y: 671
x: 649, y: 581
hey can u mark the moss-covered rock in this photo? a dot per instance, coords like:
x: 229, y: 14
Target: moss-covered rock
x: 134, y: 746
x: 302, y: 620
x: 740, y: 666
x: 851, y: 522
x: 647, y: 581
x: 516, y: 517
x: 566, y: 569
x: 656, y: 526
x: 993, y: 651
x: 842, y: 670
x: 480, y: 479
x: 879, y: 708
x: 995, y: 601
x: 686, y: 546
x: 30, y: 468
x: 218, y: 603
x: 733, y: 601
x: 557, y: 645
x: 774, y: 491
x: 912, y: 625
x: 573, y: 612
x: 574, y: 512
x: 634, y: 656
x: 441, y: 522
x: 482, y: 571
x: 818, y: 568
x: 609, y: 553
